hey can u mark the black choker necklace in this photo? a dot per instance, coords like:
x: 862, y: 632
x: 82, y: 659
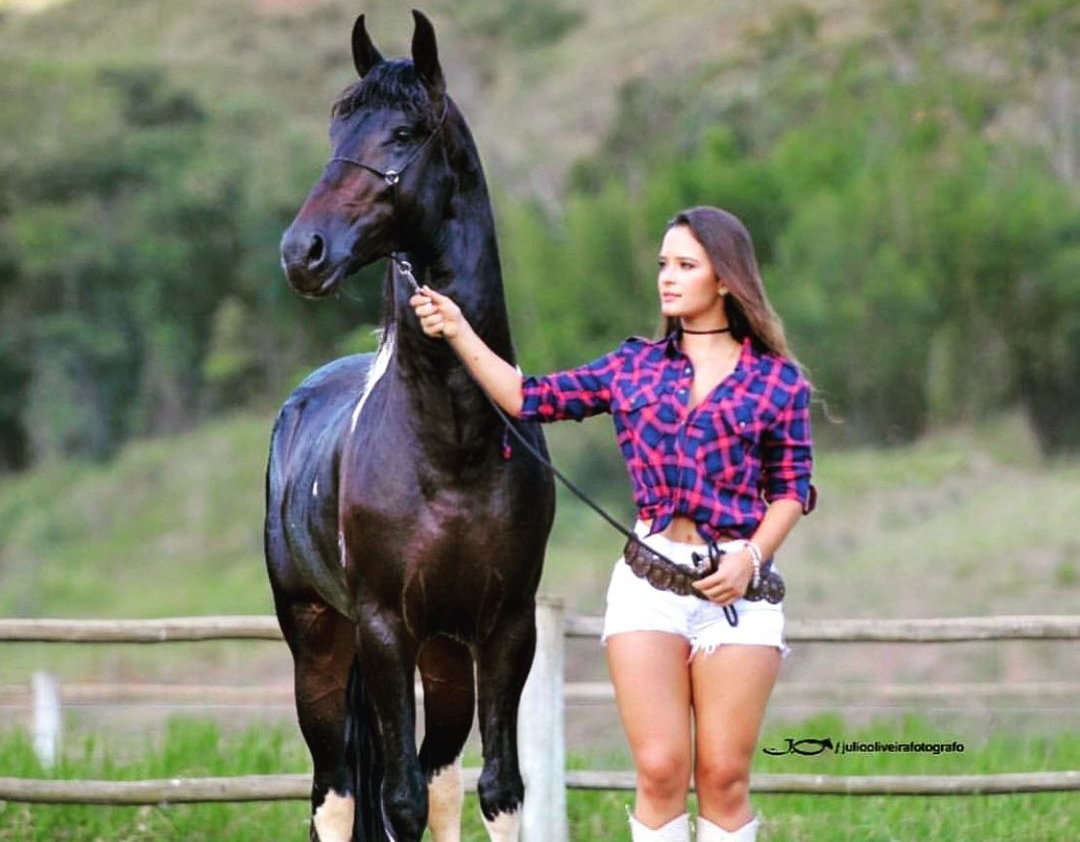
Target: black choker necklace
x: 699, y: 332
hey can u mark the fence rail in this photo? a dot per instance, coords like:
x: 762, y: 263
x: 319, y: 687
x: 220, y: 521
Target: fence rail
x: 258, y: 627
x: 577, y: 693
x: 541, y: 720
x: 298, y: 787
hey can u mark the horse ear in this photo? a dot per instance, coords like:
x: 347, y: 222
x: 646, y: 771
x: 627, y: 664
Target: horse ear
x: 425, y: 55
x: 364, y: 54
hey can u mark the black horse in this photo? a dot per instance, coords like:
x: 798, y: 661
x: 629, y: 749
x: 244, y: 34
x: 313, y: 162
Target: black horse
x: 402, y: 529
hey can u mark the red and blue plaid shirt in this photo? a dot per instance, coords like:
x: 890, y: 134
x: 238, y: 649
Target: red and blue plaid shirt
x: 720, y: 464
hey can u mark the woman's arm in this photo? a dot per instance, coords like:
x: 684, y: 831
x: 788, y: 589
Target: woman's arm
x: 575, y: 393
x: 440, y: 316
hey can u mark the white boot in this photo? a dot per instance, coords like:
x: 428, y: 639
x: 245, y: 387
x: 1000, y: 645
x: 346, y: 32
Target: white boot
x: 676, y: 830
x: 709, y: 832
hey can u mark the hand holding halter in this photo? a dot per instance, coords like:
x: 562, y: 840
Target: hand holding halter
x: 440, y: 317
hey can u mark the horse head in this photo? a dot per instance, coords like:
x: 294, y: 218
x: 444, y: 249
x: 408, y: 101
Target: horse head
x: 388, y: 179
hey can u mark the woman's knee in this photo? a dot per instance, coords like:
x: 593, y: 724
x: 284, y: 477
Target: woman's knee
x: 662, y: 771
x: 725, y: 778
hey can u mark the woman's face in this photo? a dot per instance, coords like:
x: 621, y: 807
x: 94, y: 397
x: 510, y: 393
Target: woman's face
x: 687, y: 283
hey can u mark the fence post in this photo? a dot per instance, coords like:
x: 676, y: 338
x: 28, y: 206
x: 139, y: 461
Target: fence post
x: 47, y: 719
x: 541, y: 730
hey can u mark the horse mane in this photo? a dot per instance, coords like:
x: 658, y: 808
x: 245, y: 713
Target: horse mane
x: 389, y: 84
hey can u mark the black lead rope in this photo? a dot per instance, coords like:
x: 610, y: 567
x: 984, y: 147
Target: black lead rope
x: 714, y: 552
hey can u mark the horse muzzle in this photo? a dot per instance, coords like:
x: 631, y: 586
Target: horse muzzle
x: 309, y: 264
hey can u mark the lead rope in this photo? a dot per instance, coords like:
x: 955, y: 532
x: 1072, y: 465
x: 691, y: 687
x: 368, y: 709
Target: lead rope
x: 405, y: 268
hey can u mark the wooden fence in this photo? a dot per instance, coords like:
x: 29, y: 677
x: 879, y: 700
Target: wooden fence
x: 541, y: 731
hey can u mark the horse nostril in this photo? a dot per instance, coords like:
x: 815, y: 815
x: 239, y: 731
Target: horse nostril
x: 316, y: 253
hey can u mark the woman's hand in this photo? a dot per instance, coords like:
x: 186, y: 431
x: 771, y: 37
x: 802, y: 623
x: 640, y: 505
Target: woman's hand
x: 438, y: 315
x: 731, y: 579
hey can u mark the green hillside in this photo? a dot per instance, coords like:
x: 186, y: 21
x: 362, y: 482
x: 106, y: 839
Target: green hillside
x: 965, y: 523
x: 550, y: 70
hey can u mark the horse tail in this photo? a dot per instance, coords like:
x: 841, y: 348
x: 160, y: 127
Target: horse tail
x: 362, y: 752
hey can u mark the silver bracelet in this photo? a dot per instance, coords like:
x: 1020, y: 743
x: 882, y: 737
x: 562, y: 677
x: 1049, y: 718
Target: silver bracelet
x: 755, y: 559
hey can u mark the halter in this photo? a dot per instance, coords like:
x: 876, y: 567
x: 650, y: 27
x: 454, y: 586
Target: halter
x: 393, y: 176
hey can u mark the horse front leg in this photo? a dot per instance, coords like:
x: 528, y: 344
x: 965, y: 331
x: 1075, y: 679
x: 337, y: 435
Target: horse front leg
x: 446, y: 668
x: 388, y: 662
x: 503, y: 664
x: 322, y: 643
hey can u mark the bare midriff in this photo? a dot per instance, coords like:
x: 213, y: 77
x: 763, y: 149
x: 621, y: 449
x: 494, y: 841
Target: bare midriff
x: 681, y: 529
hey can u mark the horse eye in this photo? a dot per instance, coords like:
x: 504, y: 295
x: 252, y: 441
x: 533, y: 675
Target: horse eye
x: 402, y: 134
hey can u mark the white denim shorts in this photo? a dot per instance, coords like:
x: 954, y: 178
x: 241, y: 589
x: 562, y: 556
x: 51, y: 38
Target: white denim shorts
x: 635, y: 605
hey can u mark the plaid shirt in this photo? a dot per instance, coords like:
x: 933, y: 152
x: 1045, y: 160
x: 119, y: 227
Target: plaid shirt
x: 720, y: 464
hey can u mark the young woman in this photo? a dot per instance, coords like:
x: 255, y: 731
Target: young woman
x: 713, y: 420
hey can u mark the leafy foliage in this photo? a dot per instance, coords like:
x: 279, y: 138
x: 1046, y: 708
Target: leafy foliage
x: 912, y: 190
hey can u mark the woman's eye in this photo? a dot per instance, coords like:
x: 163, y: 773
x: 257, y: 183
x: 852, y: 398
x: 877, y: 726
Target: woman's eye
x: 402, y: 134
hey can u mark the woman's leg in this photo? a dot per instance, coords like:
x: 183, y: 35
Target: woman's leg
x: 731, y: 687
x: 652, y: 689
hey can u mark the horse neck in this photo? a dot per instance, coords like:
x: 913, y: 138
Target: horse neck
x: 460, y: 259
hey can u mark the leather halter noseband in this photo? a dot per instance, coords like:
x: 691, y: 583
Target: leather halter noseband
x: 393, y: 176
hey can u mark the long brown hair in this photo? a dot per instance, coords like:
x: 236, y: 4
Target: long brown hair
x: 731, y: 252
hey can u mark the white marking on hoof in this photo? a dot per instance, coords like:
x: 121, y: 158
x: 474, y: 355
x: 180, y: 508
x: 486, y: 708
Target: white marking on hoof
x: 334, y: 818
x: 378, y: 369
x: 505, y: 827
x: 446, y: 794
x: 315, y: 489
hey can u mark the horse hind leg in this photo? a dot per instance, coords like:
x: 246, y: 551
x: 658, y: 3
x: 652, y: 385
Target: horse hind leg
x: 504, y: 661
x: 446, y: 670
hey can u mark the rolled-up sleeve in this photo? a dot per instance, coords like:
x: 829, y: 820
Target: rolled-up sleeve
x: 573, y: 394
x: 787, y: 452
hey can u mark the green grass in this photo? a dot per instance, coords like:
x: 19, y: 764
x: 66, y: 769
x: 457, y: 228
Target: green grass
x: 188, y: 748
x: 198, y: 748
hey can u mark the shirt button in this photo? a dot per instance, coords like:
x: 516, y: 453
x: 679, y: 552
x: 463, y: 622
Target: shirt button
x: 686, y: 370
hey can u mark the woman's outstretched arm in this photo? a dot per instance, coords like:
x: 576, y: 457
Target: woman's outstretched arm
x: 441, y: 317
